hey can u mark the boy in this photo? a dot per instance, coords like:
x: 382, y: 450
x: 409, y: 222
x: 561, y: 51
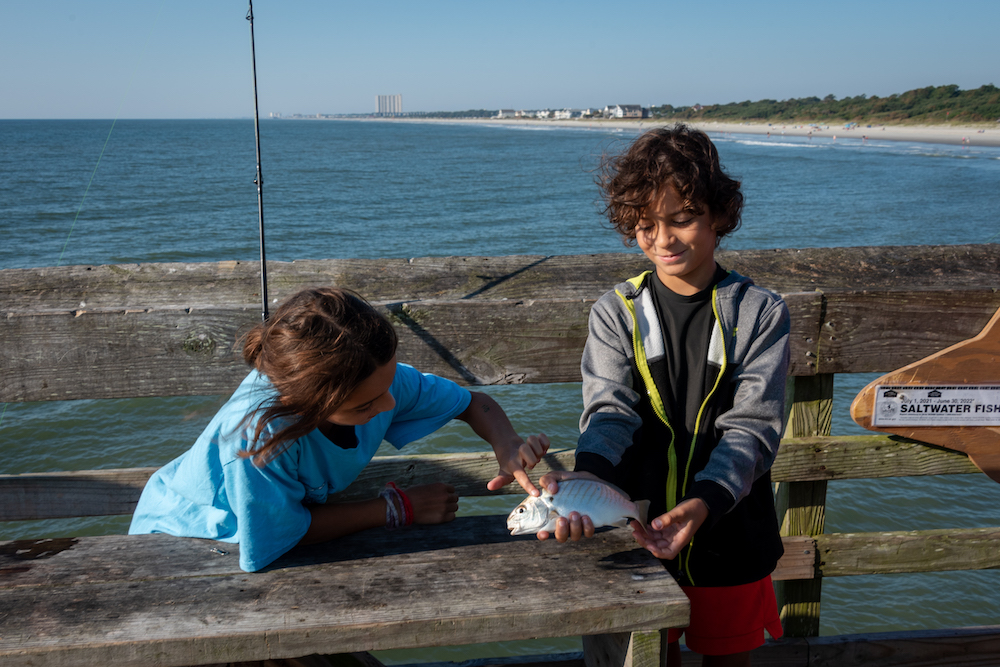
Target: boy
x: 683, y: 385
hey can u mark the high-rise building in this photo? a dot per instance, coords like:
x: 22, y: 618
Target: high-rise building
x: 390, y: 105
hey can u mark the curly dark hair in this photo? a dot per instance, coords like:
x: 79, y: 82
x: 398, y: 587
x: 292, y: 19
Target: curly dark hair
x: 680, y: 157
x: 316, y: 349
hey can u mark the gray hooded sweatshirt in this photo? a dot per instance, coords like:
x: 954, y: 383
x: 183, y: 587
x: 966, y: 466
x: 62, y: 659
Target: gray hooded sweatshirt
x: 627, y: 439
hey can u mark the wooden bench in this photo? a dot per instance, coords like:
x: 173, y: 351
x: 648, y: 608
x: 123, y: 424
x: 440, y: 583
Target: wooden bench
x: 167, y: 330
x: 163, y: 600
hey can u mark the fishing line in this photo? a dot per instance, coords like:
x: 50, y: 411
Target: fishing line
x: 93, y: 173
x: 121, y: 102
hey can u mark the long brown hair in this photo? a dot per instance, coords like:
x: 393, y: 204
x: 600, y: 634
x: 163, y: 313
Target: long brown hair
x: 316, y: 348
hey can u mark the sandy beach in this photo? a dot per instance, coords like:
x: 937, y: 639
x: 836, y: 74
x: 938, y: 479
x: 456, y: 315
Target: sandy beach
x: 982, y: 135
x: 934, y: 134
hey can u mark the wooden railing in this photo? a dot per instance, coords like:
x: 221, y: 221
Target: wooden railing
x: 153, y: 330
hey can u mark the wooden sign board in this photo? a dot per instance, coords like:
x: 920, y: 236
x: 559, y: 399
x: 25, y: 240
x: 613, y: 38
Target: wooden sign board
x: 950, y: 399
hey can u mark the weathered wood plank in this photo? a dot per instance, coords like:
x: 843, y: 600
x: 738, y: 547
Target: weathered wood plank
x: 571, y: 659
x: 102, y: 492
x: 864, y: 457
x: 801, y: 506
x: 142, y: 558
x: 799, y: 561
x: 806, y: 557
x: 958, y: 647
x: 512, y: 277
x: 939, y: 550
x: 118, y: 354
x: 169, y: 329
x: 510, y: 342
x: 805, y: 310
x: 56, y: 495
x: 625, y: 649
x: 429, y: 586
x: 238, y: 283
x: 61, y: 355
x: 882, y: 330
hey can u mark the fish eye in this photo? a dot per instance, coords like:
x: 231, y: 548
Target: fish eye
x: 520, y: 510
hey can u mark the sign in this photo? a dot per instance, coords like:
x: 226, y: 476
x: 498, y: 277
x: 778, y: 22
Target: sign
x: 922, y: 405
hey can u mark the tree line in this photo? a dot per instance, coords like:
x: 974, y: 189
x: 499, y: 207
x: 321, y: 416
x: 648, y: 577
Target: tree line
x: 930, y: 105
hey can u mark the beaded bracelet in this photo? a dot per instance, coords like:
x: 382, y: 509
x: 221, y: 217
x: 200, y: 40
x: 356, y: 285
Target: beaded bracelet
x: 398, y: 508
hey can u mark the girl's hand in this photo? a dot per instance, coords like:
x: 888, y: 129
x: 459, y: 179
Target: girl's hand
x: 433, y: 503
x: 517, y: 460
x: 669, y: 533
x: 576, y: 526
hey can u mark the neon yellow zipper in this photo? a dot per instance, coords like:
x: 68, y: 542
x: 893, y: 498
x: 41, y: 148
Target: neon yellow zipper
x: 651, y: 390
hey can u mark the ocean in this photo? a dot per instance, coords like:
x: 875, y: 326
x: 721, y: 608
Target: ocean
x: 93, y: 192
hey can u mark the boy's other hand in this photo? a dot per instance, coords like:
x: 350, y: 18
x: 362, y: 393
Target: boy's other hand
x: 669, y: 533
x: 519, y: 459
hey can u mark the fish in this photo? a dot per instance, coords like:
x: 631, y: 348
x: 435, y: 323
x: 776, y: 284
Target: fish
x: 605, y: 504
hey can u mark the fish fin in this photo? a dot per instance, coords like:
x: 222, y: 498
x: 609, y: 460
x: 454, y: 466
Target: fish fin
x: 616, y: 489
x: 643, y: 507
x: 550, y: 524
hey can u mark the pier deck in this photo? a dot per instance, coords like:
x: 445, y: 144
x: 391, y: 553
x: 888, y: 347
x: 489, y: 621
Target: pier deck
x: 157, y: 599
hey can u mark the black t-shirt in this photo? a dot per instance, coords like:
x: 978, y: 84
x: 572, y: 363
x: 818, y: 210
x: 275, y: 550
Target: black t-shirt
x: 687, y: 323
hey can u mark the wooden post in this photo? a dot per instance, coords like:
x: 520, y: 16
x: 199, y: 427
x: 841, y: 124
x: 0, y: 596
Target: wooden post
x: 625, y: 649
x: 801, y: 506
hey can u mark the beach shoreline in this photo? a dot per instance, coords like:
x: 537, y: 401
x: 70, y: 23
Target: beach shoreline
x: 958, y: 135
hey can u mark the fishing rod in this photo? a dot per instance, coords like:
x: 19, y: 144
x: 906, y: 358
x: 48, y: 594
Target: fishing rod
x: 260, y: 177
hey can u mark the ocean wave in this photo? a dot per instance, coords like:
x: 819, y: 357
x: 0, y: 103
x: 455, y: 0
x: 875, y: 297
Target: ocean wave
x: 776, y: 144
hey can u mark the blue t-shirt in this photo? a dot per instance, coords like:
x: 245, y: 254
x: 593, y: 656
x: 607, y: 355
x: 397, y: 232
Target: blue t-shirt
x: 211, y: 491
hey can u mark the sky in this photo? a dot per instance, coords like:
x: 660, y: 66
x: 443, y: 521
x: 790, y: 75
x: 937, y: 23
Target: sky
x: 192, y: 58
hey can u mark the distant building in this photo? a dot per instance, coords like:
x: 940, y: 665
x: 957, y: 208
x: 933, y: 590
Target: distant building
x: 506, y: 113
x: 390, y: 105
x: 624, y: 111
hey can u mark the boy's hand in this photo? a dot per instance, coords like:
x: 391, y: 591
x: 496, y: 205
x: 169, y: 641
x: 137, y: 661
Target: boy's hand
x: 433, y: 503
x: 550, y: 480
x: 517, y: 460
x: 669, y: 533
x: 573, y: 528
x: 576, y: 526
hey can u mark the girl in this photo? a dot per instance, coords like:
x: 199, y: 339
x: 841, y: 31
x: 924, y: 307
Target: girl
x: 325, y: 390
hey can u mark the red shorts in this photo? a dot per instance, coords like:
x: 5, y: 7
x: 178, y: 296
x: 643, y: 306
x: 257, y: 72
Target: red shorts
x: 729, y: 619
